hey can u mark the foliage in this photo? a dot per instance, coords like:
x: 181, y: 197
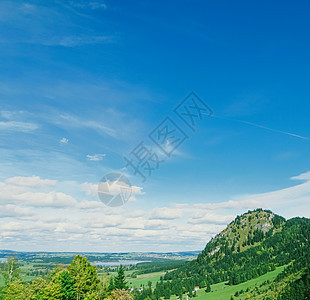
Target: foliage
x: 16, y: 290
x: 11, y: 272
x: 120, y: 295
x: 120, y: 281
x: 85, y: 277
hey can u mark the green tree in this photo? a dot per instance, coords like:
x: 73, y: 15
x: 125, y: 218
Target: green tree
x: 120, y: 281
x: 120, y: 295
x: 11, y: 271
x: 86, y: 281
x: 53, y: 290
x: 111, y: 286
x: 16, y: 291
x: 103, y: 287
x: 36, y: 288
x: 67, y: 286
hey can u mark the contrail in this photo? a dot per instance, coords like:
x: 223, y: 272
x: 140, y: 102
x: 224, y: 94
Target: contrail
x: 264, y: 127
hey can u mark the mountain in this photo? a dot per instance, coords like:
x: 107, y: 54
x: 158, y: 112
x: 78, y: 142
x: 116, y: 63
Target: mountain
x: 253, y: 244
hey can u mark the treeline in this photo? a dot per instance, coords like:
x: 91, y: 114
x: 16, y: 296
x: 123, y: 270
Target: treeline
x: 150, y: 267
x: 166, y: 289
x: 79, y: 281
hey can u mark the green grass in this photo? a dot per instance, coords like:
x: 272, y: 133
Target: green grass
x: 221, y: 291
x: 142, y: 279
x: 145, y: 278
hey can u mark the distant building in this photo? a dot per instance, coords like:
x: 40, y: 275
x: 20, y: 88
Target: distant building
x: 196, y: 288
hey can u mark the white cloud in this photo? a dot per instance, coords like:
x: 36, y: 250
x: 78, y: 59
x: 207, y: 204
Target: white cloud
x: 291, y: 197
x: 64, y: 140
x: 21, y: 191
x: 73, y: 121
x: 56, y: 218
x: 18, y: 126
x: 74, y: 41
x: 303, y: 177
x: 13, y: 211
x: 166, y: 213
x: 90, y: 189
x: 91, y: 205
x: 89, y: 4
x: 57, y: 24
x: 210, y: 218
x: 95, y: 157
x: 31, y: 182
x: 51, y: 199
x: 112, y: 188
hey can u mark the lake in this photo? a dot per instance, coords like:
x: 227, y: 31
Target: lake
x: 117, y: 263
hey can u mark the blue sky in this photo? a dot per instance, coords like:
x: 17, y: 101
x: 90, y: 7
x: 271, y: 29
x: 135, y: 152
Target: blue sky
x: 83, y: 82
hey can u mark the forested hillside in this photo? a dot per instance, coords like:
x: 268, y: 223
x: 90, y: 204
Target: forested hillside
x: 253, y: 244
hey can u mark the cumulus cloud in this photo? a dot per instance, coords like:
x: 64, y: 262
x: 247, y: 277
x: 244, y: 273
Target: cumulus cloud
x: 13, y: 211
x: 31, y: 182
x: 51, y: 199
x: 166, y: 213
x: 90, y: 205
x: 56, y: 217
x: 112, y: 188
x: 90, y: 189
x: 22, y: 191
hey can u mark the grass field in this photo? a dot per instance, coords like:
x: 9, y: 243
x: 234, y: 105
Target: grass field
x: 220, y: 291
x: 142, y: 279
x: 145, y: 278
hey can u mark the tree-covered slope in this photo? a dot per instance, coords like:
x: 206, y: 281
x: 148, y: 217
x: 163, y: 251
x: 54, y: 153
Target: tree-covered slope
x: 253, y: 244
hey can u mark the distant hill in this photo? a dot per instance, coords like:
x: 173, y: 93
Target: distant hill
x: 253, y: 244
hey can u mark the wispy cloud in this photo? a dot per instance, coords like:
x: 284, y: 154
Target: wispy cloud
x: 50, y: 25
x: 95, y: 157
x: 89, y: 4
x: 265, y: 127
x: 18, y: 126
x: 74, y: 41
x: 73, y: 121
